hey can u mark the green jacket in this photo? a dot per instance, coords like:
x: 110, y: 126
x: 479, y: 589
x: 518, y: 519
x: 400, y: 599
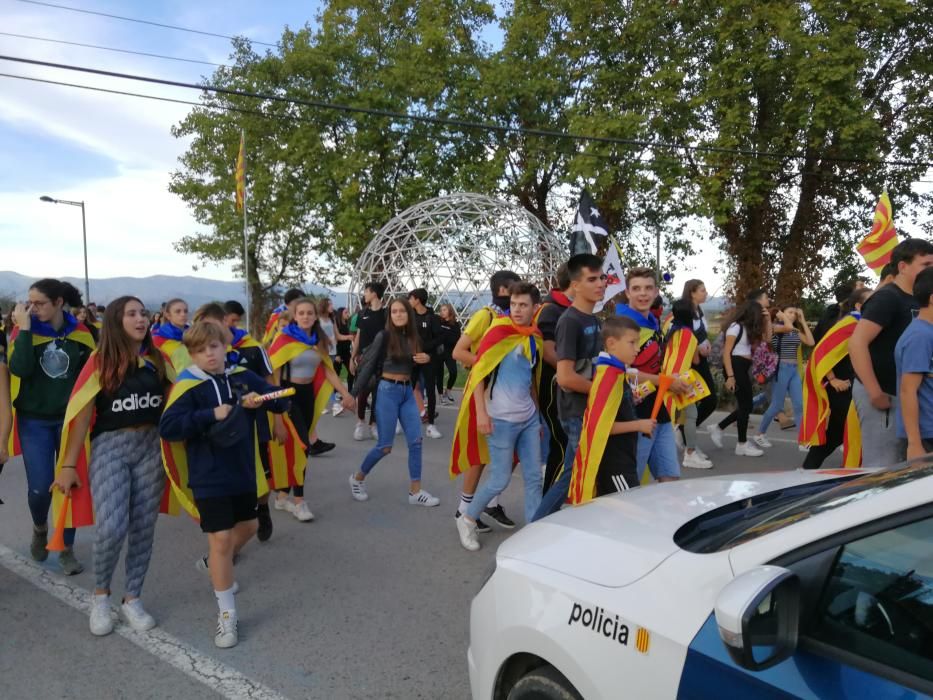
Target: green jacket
x: 41, y: 396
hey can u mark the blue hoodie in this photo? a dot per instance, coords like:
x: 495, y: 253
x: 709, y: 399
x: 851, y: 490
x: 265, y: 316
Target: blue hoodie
x: 216, y: 471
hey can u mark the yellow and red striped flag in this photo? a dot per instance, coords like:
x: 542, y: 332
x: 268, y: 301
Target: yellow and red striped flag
x: 877, y: 246
x: 241, y: 173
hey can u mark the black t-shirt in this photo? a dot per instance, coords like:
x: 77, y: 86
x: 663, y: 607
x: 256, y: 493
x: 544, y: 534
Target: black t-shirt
x: 137, y: 402
x: 450, y: 334
x: 369, y: 323
x: 576, y: 338
x: 429, y: 330
x: 892, y: 309
x: 620, y: 456
x: 827, y: 320
x: 548, y: 318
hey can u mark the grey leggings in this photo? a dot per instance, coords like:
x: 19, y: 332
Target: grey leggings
x: 127, y: 482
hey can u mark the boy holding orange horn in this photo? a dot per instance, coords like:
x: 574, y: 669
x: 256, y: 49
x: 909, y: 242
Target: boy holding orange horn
x: 658, y: 451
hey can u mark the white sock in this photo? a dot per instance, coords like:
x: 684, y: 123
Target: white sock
x: 226, y: 601
x: 493, y: 503
x: 102, y: 599
x: 465, y: 500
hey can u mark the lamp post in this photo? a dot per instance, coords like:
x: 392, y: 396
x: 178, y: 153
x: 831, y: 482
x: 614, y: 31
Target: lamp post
x: 87, y: 283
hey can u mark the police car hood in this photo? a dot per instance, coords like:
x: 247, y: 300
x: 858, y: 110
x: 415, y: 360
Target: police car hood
x: 616, y: 540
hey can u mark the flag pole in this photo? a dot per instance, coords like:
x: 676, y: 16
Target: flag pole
x: 245, y: 244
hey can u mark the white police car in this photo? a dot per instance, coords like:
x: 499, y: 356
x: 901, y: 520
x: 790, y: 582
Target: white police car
x: 778, y: 585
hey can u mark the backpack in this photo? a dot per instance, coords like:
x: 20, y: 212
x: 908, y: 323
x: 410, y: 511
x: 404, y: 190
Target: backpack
x: 764, y: 362
x: 715, y: 352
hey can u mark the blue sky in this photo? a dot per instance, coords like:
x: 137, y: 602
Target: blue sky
x: 116, y: 153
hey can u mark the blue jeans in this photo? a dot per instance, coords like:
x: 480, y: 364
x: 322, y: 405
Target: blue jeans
x: 396, y: 403
x: 659, y: 453
x: 40, y: 439
x: 557, y: 494
x: 787, y: 381
x: 506, y: 440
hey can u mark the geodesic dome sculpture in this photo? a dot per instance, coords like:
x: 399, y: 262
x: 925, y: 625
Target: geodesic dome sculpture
x: 451, y: 245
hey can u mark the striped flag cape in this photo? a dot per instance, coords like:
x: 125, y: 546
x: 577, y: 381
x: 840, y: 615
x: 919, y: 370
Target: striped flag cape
x: 167, y: 339
x: 286, y: 460
x: 73, y: 330
x: 288, y: 345
x: 175, y: 456
x: 272, y: 325
x: 85, y: 391
x: 833, y: 347
x: 679, y: 350
x: 877, y: 246
x: 469, y: 447
x: 602, y: 406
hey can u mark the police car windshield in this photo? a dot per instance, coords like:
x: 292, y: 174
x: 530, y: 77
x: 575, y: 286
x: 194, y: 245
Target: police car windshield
x: 751, y: 518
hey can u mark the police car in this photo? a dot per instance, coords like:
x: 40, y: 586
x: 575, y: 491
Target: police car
x: 792, y: 584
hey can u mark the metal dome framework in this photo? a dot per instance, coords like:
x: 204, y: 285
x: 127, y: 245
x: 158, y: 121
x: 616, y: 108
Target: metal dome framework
x: 450, y: 245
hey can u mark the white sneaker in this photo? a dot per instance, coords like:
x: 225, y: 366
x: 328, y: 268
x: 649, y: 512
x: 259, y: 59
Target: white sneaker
x: 398, y: 428
x: 715, y: 434
x: 303, y: 513
x: 423, y: 498
x: 467, y: 532
x: 744, y: 449
x: 226, y: 635
x: 702, y: 454
x: 338, y: 409
x: 762, y: 441
x: 284, y: 503
x: 694, y: 460
x: 433, y: 432
x: 358, y: 489
x: 101, y: 619
x: 803, y: 448
x: 136, y: 615
x: 359, y: 432
x: 374, y: 432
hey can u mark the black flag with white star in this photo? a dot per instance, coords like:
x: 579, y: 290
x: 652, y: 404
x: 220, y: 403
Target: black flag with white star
x: 587, y: 223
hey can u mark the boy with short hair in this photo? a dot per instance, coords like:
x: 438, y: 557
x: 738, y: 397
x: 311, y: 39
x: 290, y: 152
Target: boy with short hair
x: 913, y: 357
x: 607, y: 456
x: 204, y: 411
x: 503, y: 392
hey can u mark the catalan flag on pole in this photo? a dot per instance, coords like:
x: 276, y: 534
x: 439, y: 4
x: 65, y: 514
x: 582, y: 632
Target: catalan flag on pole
x: 241, y: 173
x: 876, y: 247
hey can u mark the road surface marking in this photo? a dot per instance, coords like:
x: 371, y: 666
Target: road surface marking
x: 217, y: 676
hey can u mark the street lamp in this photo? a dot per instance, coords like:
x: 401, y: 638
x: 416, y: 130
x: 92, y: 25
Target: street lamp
x: 87, y: 283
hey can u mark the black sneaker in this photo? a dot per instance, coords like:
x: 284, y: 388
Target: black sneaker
x: 500, y: 517
x: 40, y: 538
x: 319, y: 447
x: 481, y: 527
x: 265, y: 523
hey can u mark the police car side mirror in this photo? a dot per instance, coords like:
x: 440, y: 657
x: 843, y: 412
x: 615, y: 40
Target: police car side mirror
x: 757, y: 614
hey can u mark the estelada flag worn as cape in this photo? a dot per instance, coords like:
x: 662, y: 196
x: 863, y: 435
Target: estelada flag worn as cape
x: 85, y: 391
x: 175, y: 457
x: 42, y: 334
x: 833, y: 347
x: 288, y: 345
x: 679, y: 350
x: 602, y: 406
x: 286, y: 460
x: 272, y: 324
x: 876, y: 248
x: 469, y: 446
x: 167, y: 339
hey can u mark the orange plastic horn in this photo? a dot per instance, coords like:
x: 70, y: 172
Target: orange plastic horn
x: 57, y: 543
x: 664, y: 384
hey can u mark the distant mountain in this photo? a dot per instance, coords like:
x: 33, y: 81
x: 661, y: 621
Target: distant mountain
x: 152, y: 290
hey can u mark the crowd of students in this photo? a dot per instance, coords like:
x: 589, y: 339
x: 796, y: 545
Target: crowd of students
x: 138, y: 418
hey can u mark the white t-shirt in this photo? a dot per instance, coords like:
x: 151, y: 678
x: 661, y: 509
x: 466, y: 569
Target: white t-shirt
x: 742, y: 348
x: 511, y: 392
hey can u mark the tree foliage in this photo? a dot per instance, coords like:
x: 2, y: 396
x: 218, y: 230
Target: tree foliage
x: 766, y: 130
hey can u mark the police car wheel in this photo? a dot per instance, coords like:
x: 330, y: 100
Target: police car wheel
x: 543, y: 683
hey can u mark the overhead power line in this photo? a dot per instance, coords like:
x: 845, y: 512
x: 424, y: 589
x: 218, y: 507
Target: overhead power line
x: 446, y: 121
x: 111, y: 48
x: 141, y: 21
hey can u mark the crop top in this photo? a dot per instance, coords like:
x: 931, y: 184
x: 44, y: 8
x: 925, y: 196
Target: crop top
x: 404, y: 365
x: 137, y: 402
x: 304, y: 365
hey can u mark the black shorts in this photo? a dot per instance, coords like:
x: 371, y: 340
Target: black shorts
x: 223, y: 512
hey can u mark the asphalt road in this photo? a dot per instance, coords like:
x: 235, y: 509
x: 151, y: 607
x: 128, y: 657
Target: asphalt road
x: 371, y: 600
